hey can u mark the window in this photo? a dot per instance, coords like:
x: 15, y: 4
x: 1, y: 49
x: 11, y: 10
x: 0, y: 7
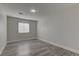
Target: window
x: 23, y: 27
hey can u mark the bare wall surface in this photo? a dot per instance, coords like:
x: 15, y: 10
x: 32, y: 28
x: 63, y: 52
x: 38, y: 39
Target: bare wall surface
x: 62, y: 28
x: 3, y: 31
x: 13, y: 35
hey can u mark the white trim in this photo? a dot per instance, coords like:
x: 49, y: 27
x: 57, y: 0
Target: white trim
x: 20, y: 40
x: 3, y: 49
x: 62, y: 46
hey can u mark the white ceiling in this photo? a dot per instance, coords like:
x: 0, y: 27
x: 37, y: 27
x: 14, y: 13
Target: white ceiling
x: 43, y: 9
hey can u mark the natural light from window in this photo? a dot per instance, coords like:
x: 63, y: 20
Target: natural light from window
x: 23, y: 27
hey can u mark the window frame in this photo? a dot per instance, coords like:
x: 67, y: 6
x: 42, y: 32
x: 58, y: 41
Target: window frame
x: 28, y: 30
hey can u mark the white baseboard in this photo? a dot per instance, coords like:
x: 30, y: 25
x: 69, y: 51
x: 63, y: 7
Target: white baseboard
x: 20, y: 40
x: 64, y: 47
x: 3, y: 49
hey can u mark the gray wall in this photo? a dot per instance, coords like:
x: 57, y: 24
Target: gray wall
x: 13, y: 34
x: 62, y: 28
x: 3, y: 32
x: 51, y: 29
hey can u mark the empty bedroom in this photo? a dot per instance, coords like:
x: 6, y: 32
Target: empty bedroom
x: 39, y: 29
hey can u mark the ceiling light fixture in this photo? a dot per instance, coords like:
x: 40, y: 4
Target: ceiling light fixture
x: 20, y: 12
x: 33, y: 10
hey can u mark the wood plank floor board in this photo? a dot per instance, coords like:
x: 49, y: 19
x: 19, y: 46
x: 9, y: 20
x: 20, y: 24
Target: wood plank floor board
x: 35, y: 48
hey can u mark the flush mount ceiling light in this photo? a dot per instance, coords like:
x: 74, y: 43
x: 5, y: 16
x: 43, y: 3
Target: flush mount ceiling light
x: 20, y: 12
x: 33, y: 11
